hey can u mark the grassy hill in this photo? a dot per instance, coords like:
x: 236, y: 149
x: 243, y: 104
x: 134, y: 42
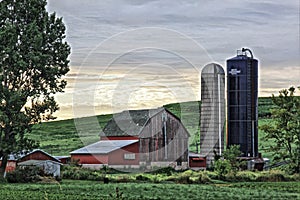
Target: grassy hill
x: 62, y: 137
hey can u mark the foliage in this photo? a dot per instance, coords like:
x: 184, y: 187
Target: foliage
x: 118, y: 194
x: 265, y: 105
x: 228, y: 162
x: 142, y: 177
x: 25, y: 175
x: 33, y: 59
x: 285, y: 131
x: 78, y: 173
x: 231, y: 155
x: 163, y: 170
x: 222, y: 167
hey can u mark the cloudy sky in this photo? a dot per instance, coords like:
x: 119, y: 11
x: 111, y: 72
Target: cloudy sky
x: 131, y: 54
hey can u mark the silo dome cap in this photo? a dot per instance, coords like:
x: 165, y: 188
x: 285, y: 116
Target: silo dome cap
x: 212, y: 68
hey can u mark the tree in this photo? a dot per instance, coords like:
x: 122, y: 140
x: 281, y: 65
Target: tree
x: 285, y: 129
x: 33, y: 60
x: 228, y: 162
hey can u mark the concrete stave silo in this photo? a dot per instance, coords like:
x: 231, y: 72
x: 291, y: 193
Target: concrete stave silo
x: 212, y: 111
x: 242, y: 102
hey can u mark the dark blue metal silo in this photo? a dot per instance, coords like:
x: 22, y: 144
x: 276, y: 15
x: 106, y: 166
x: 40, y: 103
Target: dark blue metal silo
x: 242, y: 102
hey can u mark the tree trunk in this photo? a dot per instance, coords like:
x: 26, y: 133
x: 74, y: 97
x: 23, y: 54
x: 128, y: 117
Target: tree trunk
x: 3, y: 165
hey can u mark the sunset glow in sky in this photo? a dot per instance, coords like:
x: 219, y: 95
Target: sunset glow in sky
x: 144, y: 54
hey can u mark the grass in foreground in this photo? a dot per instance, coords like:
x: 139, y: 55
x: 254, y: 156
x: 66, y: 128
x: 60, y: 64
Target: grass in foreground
x: 96, y: 190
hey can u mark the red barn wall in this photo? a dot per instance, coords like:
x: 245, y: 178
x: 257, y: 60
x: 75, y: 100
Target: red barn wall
x: 38, y: 155
x: 90, y: 159
x: 117, y: 157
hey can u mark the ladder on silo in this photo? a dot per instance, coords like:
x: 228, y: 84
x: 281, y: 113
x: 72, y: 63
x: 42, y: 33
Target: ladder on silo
x: 249, y: 105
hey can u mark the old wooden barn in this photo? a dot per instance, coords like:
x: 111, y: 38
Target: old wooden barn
x: 135, y: 138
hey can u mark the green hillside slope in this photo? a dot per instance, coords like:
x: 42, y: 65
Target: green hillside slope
x: 60, y: 137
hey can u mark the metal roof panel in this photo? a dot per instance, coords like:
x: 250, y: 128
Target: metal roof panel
x: 103, y: 146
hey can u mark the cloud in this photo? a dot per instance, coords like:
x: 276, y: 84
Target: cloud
x: 105, y: 48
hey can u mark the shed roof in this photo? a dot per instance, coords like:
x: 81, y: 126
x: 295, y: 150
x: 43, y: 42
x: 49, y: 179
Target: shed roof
x: 26, y: 153
x: 129, y: 123
x: 40, y: 151
x: 36, y: 162
x: 103, y: 147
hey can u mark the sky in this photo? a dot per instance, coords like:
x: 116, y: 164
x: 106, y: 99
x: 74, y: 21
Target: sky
x: 135, y: 54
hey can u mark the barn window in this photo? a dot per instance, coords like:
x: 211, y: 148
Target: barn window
x: 129, y: 156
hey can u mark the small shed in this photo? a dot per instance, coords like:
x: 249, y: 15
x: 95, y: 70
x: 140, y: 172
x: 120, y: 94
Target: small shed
x: 36, y: 156
x: 197, y: 161
x: 48, y: 166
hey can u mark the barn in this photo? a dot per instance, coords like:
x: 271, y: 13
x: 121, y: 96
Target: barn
x: 136, y: 138
x: 37, y: 157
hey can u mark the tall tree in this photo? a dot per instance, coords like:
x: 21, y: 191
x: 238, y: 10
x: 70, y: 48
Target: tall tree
x: 33, y: 59
x: 285, y: 129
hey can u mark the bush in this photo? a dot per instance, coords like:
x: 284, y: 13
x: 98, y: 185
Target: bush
x: 142, y: 177
x: 222, y: 167
x: 183, y: 180
x: 189, y: 173
x: 203, y: 178
x: 78, y: 173
x: 165, y: 170
x: 246, y: 176
x: 2, y: 179
x: 122, y: 179
x: 25, y: 175
x: 272, y: 176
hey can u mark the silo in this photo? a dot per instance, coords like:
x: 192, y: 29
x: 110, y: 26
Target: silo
x: 242, y: 100
x: 212, y: 111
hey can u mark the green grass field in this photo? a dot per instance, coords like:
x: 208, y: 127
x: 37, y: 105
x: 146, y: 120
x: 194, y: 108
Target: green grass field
x: 97, y: 190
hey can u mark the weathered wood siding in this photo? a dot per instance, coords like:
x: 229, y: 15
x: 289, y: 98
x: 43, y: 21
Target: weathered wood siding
x: 152, y: 140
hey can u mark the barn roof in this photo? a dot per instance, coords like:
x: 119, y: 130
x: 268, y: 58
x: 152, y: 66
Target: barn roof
x: 40, y: 151
x: 103, y: 146
x: 24, y: 153
x: 129, y: 123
